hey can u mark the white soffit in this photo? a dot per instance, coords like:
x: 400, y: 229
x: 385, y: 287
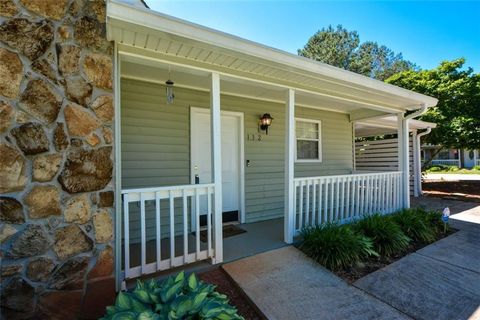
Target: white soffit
x: 386, y: 125
x: 196, y: 80
x: 145, y: 33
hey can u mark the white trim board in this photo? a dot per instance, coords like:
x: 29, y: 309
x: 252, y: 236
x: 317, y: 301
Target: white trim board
x: 118, y: 169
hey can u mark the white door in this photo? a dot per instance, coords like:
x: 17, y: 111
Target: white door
x: 201, y: 156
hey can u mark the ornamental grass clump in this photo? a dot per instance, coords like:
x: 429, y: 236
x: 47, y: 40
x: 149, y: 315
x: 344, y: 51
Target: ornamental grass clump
x: 433, y: 219
x: 175, y: 298
x: 388, y: 238
x: 335, y: 246
x: 415, y: 224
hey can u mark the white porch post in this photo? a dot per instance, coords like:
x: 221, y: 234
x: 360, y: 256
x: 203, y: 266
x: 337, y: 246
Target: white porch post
x: 289, y: 166
x: 216, y: 164
x: 354, y: 149
x: 403, y: 159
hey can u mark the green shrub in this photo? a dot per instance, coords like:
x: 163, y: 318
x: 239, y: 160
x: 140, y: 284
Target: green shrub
x: 453, y: 168
x: 433, y: 219
x: 175, y: 298
x: 335, y: 246
x: 476, y: 168
x: 415, y: 225
x: 388, y: 238
x: 434, y: 169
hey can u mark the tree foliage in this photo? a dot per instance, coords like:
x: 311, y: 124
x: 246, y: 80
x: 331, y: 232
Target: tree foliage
x: 342, y: 48
x: 457, y: 113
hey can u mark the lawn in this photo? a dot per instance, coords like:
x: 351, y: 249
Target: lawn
x: 452, y: 170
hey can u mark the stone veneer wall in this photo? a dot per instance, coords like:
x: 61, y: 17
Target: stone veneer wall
x: 56, y: 159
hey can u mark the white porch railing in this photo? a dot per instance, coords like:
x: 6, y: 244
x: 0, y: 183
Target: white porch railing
x: 177, y: 227
x: 477, y: 162
x: 345, y: 197
x: 446, y: 162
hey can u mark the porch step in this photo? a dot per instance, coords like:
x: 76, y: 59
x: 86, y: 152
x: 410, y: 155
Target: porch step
x: 286, y: 284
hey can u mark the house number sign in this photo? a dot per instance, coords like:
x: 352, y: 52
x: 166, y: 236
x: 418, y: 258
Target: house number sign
x: 254, y: 137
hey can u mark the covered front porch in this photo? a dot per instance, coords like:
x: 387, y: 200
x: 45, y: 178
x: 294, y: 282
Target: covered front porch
x: 189, y: 163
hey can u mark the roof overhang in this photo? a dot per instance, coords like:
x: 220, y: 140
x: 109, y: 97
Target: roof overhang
x: 387, y: 125
x: 143, y: 32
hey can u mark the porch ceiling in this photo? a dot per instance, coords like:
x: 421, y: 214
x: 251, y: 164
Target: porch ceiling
x: 386, y: 125
x: 155, y: 36
x: 158, y: 72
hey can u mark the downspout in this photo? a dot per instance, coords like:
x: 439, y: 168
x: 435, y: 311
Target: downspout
x: 418, y: 172
x: 417, y: 113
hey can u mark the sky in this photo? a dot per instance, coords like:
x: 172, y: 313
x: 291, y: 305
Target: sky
x: 424, y: 32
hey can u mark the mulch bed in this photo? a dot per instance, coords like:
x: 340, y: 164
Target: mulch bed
x: 465, y: 190
x: 238, y: 298
x: 373, y: 264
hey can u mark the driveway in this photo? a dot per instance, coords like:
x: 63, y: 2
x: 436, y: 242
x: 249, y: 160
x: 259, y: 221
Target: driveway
x: 440, y: 281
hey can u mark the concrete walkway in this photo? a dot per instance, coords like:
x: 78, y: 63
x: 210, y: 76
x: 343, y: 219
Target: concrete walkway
x: 440, y: 281
x: 286, y: 284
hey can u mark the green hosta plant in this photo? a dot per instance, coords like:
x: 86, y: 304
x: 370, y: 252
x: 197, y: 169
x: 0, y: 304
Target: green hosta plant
x: 336, y: 246
x: 175, y: 298
x: 388, y: 238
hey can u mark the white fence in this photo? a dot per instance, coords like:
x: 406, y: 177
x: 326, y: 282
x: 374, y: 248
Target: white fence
x: 179, y: 245
x: 446, y: 162
x: 345, y: 197
x: 382, y: 155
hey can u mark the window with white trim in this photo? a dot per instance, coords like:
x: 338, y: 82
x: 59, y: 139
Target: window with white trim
x: 308, y: 140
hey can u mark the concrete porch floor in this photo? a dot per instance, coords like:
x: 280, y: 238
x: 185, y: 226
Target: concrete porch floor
x: 260, y: 237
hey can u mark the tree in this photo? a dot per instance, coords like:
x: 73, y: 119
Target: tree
x: 341, y: 48
x: 457, y: 113
x: 334, y: 47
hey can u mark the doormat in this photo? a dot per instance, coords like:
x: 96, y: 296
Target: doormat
x: 229, y: 230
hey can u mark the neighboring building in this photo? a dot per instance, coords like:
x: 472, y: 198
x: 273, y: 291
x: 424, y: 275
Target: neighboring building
x: 108, y: 169
x: 461, y: 158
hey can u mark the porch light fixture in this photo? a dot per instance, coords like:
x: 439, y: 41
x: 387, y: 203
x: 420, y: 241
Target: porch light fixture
x: 169, y: 89
x: 265, y: 122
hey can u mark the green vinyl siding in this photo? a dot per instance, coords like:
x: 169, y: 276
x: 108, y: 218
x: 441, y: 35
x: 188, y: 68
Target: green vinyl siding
x: 156, y: 145
x: 336, y: 144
